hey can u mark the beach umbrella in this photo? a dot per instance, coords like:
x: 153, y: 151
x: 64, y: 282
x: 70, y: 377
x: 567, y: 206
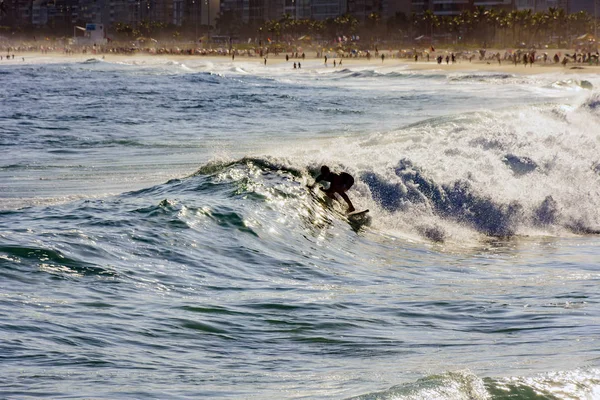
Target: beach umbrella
x: 587, y: 36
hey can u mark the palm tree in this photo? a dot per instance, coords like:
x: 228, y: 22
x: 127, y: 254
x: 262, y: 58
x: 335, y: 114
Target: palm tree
x: 490, y: 20
x: 502, y: 24
x: 512, y: 20
x: 123, y: 28
x: 455, y: 25
x: 273, y: 27
x: 344, y: 25
x: 524, y: 22
x: 580, y: 23
x: 539, y: 22
x: 399, y: 23
x: 285, y: 22
x: 479, y: 22
x: 558, y: 19
x: 430, y: 20
x: 467, y: 24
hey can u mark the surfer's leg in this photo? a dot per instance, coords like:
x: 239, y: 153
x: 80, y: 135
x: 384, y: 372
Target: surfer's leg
x: 330, y: 194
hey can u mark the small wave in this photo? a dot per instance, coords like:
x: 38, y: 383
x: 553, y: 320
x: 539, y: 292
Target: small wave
x: 371, y: 73
x: 239, y: 70
x: 266, y: 163
x: 574, y: 384
x: 92, y: 61
x: 338, y: 111
x: 54, y: 261
x: 480, y: 77
x: 363, y: 74
x: 205, y: 77
x: 451, y: 385
x: 572, y: 83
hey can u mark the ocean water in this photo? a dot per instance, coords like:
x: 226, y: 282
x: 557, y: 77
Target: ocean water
x: 157, y: 239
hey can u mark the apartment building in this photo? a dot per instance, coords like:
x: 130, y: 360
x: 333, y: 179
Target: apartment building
x: 455, y: 7
x: 592, y: 7
x: 544, y: 5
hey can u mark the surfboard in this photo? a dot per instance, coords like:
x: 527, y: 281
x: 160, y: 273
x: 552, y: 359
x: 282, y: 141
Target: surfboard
x: 357, y: 214
x: 358, y: 219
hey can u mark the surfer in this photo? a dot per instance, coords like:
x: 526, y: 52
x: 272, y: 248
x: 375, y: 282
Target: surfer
x: 338, y: 183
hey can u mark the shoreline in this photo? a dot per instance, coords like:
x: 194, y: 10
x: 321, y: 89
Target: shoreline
x: 408, y: 64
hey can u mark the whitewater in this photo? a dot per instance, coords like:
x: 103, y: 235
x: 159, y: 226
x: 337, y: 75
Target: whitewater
x: 158, y: 238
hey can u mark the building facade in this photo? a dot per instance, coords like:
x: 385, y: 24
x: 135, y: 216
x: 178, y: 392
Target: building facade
x: 544, y: 5
x: 455, y: 7
x: 592, y: 7
x: 205, y: 12
x: 392, y: 7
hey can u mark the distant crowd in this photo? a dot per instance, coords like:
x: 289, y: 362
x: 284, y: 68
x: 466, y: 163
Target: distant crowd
x: 516, y: 57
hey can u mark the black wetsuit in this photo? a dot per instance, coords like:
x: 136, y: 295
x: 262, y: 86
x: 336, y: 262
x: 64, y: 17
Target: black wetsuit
x: 339, y: 182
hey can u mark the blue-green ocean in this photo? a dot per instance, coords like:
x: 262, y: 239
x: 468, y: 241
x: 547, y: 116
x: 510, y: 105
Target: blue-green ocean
x: 158, y: 240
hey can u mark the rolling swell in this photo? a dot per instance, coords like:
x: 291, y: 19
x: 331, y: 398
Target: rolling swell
x: 50, y: 260
x: 459, y: 201
x: 369, y: 73
x: 267, y: 164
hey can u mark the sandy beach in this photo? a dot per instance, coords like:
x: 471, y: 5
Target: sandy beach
x: 312, y: 62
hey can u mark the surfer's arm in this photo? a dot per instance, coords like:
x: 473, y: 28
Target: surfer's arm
x: 347, y: 200
x: 317, y: 180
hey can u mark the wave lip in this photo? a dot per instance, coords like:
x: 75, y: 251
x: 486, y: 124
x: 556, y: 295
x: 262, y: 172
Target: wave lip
x: 464, y: 385
x: 451, y: 385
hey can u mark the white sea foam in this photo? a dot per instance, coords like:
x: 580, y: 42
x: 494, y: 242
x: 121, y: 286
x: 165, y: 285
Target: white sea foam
x: 526, y: 156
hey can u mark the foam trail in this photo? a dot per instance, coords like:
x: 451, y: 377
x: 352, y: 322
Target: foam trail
x: 496, y: 173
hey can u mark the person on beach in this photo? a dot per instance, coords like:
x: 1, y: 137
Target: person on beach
x: 338, y: 183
